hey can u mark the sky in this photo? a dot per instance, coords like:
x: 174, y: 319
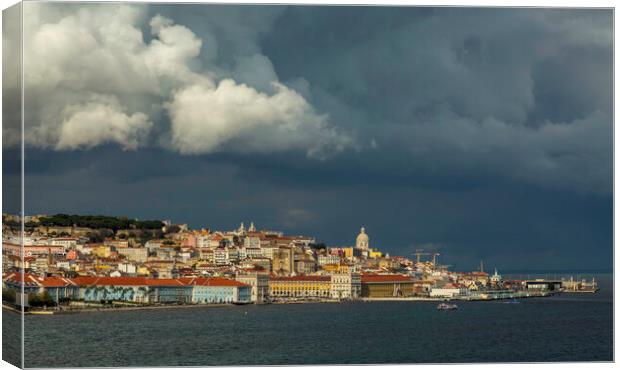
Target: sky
x: 483, y: 134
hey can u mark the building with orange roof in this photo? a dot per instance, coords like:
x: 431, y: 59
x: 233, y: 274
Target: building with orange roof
x: 56, y: 287
x: 303, y: 286
x: 218, y: 290
x: 382, y: 286
x: 133, y: 289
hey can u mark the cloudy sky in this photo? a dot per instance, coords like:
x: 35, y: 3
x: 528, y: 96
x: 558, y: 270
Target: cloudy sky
x: 480, y: 133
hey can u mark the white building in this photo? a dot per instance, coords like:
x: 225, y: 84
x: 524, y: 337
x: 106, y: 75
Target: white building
x: 328, y: 260
x: 203, y: 241
x: 245, y: 252
x: 450, y: 292
x: 347, y: 285
x: 269, y: 252
x: 134, y: 254
x: 259, y: 281
x: 495, y: 279
x: 220, y: 257
x: 65, y: 242
x: 127, y: 268
x: 153, y: 245
x: 251, y: 242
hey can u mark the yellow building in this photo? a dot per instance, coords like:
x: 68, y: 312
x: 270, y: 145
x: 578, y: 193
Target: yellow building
x: 102, y: 251
x: 375, y: 253
x: 348, y: 252
x: 381, y: 286
x: 309, y: 286
x: 143, y: 271
x: 338, y: 268
x: 387, y: 263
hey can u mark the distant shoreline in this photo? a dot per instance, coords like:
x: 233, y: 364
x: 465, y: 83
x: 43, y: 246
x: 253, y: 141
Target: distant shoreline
x: 222, y: 305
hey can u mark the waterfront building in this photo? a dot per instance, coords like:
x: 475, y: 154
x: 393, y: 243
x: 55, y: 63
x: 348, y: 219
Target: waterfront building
x: 56, y: 287
x: 448, y: 291
x: 495, y: 279
x: 218, y: 290
x: 135, y: 289
x: 480, y: 276
x: 313, y: 286
x: 259, y: 283
x: 422, y: 287
x: 543, y: 285
x: 381, y: 286
x: 346, y: 285
x: 170, y: 290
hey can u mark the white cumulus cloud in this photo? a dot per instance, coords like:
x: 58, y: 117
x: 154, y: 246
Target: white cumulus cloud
x: 102, y: 121
x: 93, y: 78
x: 237, y: 117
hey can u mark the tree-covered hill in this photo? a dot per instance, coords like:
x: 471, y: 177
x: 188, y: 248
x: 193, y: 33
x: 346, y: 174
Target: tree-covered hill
x: 99, y: 222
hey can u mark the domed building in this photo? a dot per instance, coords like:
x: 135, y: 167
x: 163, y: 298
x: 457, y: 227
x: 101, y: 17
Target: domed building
x: 361, y: 242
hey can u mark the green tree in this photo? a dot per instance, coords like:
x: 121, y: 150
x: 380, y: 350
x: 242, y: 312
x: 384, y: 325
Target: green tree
x: 8, y: 295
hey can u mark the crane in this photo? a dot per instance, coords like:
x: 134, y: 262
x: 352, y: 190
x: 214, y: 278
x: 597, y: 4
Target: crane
x: 434, y: 258
x: 418, y: 253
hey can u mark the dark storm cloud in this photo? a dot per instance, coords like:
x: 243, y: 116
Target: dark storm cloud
x: 486, y: 132
x: 479, y: 87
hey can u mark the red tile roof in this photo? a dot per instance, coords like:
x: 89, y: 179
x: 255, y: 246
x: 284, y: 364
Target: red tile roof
x: 56, y: 281
x: 50, y: 282
x: 211, y: 281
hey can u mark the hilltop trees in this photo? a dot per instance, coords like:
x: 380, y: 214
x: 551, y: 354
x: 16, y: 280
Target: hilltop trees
x: 99, y: 222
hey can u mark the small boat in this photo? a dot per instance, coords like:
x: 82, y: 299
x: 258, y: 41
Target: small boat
x: 446, y: 307
x: 512, y: 301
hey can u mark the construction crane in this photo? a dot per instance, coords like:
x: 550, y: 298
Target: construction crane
x: 418, y: 253
x: 434, y: 258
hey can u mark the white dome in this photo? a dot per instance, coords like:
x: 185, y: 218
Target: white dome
x: 362, y: 239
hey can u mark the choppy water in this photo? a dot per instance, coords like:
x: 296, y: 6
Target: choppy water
x: 561, y: 328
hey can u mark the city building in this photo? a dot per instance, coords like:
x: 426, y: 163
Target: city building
x: 346, y: 285
x: 308, y: 287
x: 258, y: 281
x: 382, y: 286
